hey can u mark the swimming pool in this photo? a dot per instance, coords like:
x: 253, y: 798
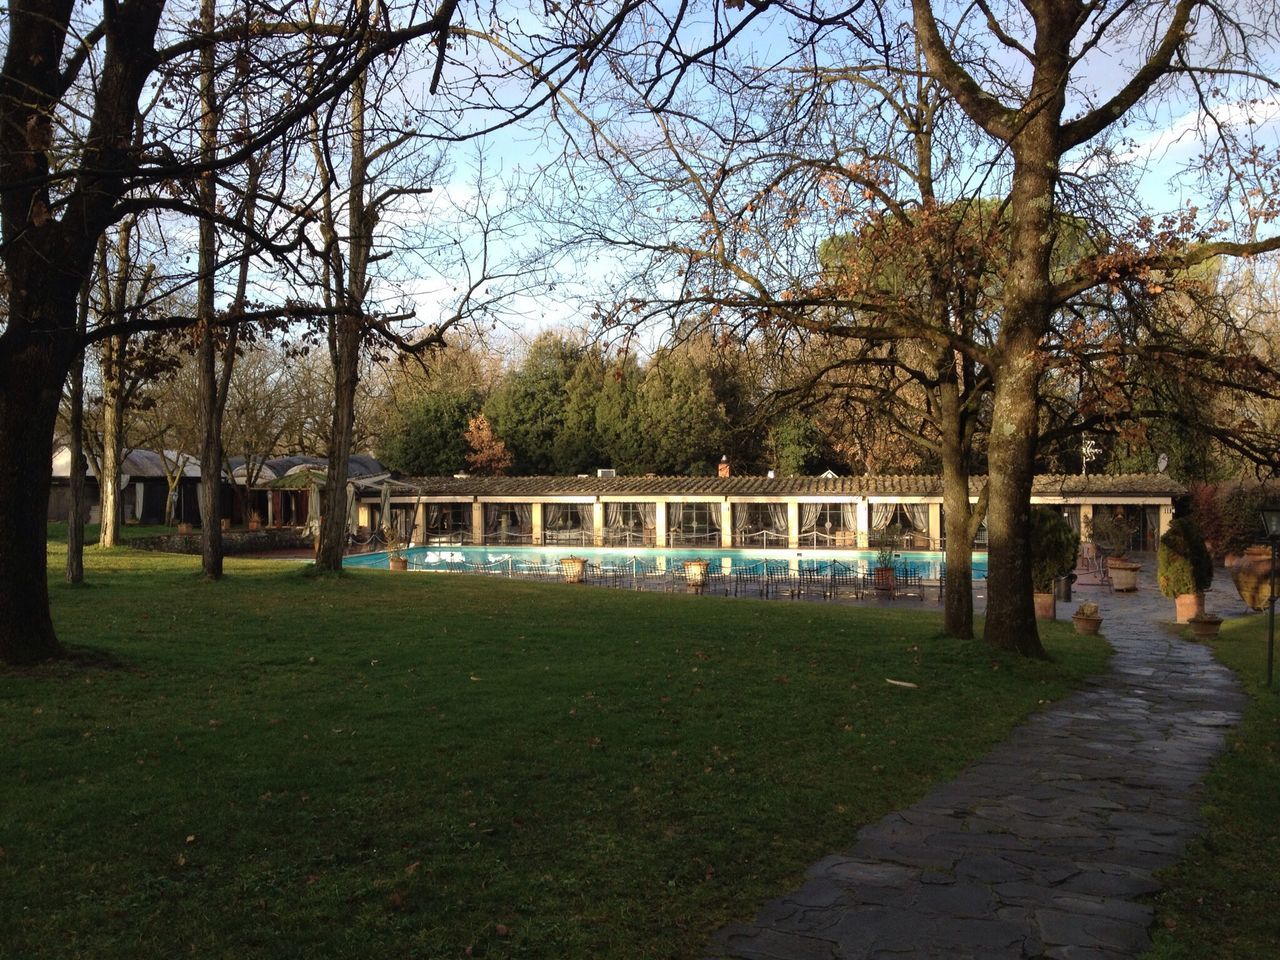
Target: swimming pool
x: 518, y: 559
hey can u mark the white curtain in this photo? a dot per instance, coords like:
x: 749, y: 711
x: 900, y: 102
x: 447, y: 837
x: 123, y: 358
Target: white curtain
x: 778, y: 517
x: 849, y: 517
x: 713, y: 514
x: 613, y: 515
x: 524, y: 517
x: 919, y: 515
x: 809, y: 517
x: 553, y: 516
x: 881, y: 514
x: 585, y: 519
x: 649, y: 515
x: 741, y: 516
x: 675, y: 516
x: 493, y: 515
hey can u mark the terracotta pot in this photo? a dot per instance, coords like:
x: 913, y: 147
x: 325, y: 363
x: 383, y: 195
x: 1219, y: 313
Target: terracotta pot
x: 882, y: 578
x: 1204, y: 629
x: 1086, y: 625
x: 1252, y: 577
x: 184, y: 528
x: 1046, y: 606
x: 695, y: 571
x: 255, y: 525
x: 573, y: 568
x: 1187, y: 605
x: 226, y: 524
x: 398, y: 563
x: 1124, y: 575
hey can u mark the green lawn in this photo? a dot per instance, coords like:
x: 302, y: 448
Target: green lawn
x: 1221, y: 901
x: 410, y: 765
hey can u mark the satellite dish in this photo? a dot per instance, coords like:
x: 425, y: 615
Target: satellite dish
x: 1162, y: 462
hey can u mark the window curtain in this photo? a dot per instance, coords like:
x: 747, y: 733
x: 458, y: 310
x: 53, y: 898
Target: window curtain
x: 613, y: 516
x: 881, y: 514
x: 493, y: 514
x: 585, y: 519
x: 918, y: 513
x: 1073, y: 518
x: 675, y: 517
x: 809, y: 517
x: 713, y: 515
x: 553, y: 516
x: 741, y: 516
x: 433, y: 516
x: 849, y: 517
x: 649, y: 515
x: 524, y: 518
x: 778, y: 517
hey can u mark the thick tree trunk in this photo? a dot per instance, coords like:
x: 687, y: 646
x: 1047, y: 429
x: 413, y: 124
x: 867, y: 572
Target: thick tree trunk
x: 1011, y: 618
x: 958, y: 595
x: 28, y: 414
x: 333, y: 528
x: 211, y: 404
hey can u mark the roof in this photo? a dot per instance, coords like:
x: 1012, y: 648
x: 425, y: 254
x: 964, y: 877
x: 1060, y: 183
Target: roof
x: 273, y: 468
x: 137, y: 464
x: 911, y: 485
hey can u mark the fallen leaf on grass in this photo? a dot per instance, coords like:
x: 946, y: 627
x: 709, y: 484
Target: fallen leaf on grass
x: 902, y: 683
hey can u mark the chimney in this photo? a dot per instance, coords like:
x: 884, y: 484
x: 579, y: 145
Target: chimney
x: 723, y: 471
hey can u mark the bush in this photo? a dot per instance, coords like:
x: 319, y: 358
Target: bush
x: 1053, y: 548
x: 1227, y: 519
x: 1112, y: 530
x: 1183, y: 563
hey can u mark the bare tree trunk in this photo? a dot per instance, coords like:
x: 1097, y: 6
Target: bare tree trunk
x: 112, y: 445
x: 210, y: 402
x: 958, y: 519
x: 75, y: 471
x: 27, y: 420
x: 1011, y: 450
x: 345, y: 335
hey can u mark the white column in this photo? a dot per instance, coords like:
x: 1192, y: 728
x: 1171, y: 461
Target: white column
x: 597, y: 523
x: 477, y: 522
x: 537, y: 522
x: 1166, y: 516
x: 793, y: 524
x: 864, y: 524
x: 660, y: 523
x: 1086, y: 520
x: 726, y: 524
x: 935, y: 525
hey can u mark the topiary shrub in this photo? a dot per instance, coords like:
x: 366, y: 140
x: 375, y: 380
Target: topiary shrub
x: 1053, y: 548
x: 1183, y: 564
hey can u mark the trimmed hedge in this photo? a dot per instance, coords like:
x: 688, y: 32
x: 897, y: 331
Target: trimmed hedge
x: 1053, y: 548
x: 1183, y: 563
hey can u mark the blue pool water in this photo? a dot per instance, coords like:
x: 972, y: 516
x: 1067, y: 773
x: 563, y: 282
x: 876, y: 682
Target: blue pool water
x: 517, y: 559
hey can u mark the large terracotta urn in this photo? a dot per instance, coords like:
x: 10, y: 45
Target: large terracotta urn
x: 1046, y: 606
x: 1252, y: 577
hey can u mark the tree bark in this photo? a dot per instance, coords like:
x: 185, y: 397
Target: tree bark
x: 1011, y: 449
x: 211, y: 403
x: 75, y: 470
x: 112, y: 445
x: 958, y: 513
x: 27, y: 420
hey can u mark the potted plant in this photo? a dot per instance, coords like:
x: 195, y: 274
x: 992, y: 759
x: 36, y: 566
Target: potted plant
x: 1113, y: 531
x: 396, y: 558
x: 1086, y: 619
x: 1184, y: 567
x: 882, y: 569
x: 1205, y: 626
x: 185, y: 527
x: 1252, y: 577
x: 1053, y: 554
x: 255, y: 520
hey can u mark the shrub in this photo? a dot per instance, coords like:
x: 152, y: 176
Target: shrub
x: 1183, y: 563
x: 1053, y: 548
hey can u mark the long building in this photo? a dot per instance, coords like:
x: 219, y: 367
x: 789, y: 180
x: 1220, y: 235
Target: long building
x: 826, y: 512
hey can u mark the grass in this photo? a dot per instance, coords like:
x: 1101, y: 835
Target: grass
x: 283, y: 765
x: 128, y: 531
x: 1220, y: 901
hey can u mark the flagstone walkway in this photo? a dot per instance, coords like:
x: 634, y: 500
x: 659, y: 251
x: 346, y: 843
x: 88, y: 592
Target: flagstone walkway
x: 1046, y: 848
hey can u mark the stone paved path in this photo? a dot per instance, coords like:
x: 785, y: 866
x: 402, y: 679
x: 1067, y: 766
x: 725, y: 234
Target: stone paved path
x: 1044, y: 849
